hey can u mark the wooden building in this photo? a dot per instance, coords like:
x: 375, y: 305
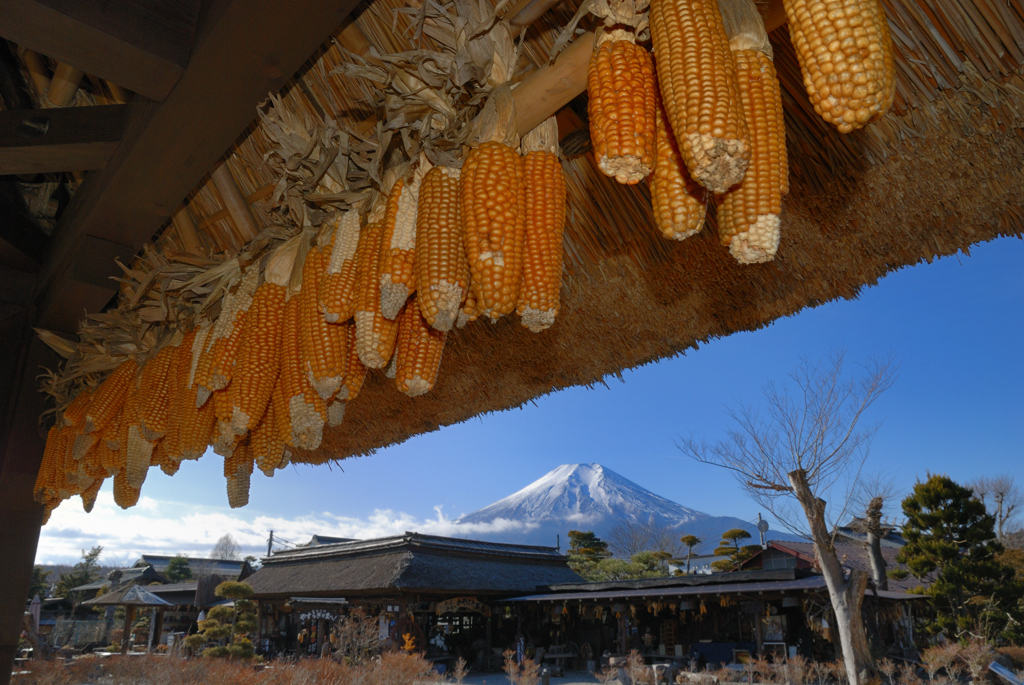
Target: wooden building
x: 137, y: 143
x: 445, y: 586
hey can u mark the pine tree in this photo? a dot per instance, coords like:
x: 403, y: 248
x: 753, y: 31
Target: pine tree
x: 178, y: 569
x: 690, y: 541
x: 39, y: 584
x: 585, y: 551
x: 950, y: 534
x: 730, y: 547
x: 82, y: 573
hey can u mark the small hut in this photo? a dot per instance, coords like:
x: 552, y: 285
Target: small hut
x: 132, y: 598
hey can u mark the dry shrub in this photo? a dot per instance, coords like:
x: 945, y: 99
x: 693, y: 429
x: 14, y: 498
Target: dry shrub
x: 460, y: 671
x: 1015, y: 654
x: 637, y: 670
x: 797, y: 670
x: 976, y: 654
x: 887, y: 667
x: 765, y: 671
x: 939, y: 657
x: 908, y: 675
x: 527, y: 673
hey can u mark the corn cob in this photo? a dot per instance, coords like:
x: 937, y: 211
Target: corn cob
x: 107, y: 400
x: 223, y: 439
x: 125, y: 495
x: 237, y: 470
x: 90, y: 493
x: 468, y: 311
x: 322, y: 343
x: 178, y: 372
x: 620, y: 88
x: 193, y: 424
x: 375, y: 334
x: 214, y: 367
x: 337, y: 287
x: 680, y: 204
x: 846, y: 57
x: 398, y: 246
x: 441, y: 269
x: 137, y: 450
x: 418, y: 355
x: 162, y: 459
x: 154, y: 393
x: 696, y: 74
x: 257, y: 369
x: 545, y: 220
x: 355, y: 370
x: 266, y: 444
x: 54, y: 450
x: 748, y: 215
x: 494, y: 220
x: 303, y: 411
x: 111, y: 437
x: 74, y: 413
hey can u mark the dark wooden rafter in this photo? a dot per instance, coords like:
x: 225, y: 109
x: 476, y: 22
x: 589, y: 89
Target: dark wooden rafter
x: 63, y: 139
x: 141, y: 46
x: 244, y: 50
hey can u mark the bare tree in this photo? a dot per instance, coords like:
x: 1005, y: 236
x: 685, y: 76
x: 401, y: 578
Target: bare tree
x: 632, y: 537
x: 1002, y: 498
x: 226, y: 548
x: 875, y: 494
x: 809, y: 444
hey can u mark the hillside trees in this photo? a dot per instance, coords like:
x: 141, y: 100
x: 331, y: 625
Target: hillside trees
x: 39, y: 584
x: 82, y: 573
x: 949, y: 533
x: 808, y: 444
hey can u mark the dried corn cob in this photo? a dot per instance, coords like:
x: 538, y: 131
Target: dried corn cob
x: 620, y: 88
x: 125, y: 495
x: 441, y: 268
x: 89, y: 495
x: 106, y: 401
x: 257, y: 369
x: 355, y: 370
x: 846, y: 57
x: 177, y: 373
x: 418, y: 356
x: 680, y: 204
x: 748, y: 215
x: 154, y: 393
x: 337, y: 287
x: 322, y: 344
x: 545, y: 220
x: 494, y: 220
x: 304, y: 411
x: 266, y: 444
x: 398, y: 246
x: 237, y: 470
x: 56, y: 445
x: 214, y: 367
x: 74, y: 413
x: 375, y: 334
x: 137, y: 450
x: 223, y: 439
x: 696, y: 74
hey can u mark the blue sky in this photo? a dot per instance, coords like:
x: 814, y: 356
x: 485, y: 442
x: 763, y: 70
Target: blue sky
x: 955, y: 328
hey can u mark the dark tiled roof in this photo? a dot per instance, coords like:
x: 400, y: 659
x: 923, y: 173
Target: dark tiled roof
x: 411, y: 562
x: 854, y: 556
x: 223, y: 567
x: 136, y: 574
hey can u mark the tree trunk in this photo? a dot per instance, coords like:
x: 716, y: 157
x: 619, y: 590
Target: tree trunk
x: 875, y: 533
x: 846, y: 594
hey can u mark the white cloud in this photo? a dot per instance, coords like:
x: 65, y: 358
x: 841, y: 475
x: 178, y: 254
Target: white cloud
x: 166, y: 527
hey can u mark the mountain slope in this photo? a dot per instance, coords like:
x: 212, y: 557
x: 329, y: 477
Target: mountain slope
x: 591, y: 497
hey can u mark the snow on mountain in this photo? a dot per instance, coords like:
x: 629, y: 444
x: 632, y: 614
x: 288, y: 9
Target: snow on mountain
x: 591, y: 497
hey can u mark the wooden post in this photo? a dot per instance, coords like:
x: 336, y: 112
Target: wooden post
x: 129, y: 614
x: 64, y: 85
x: 36, y: 71
x: 234, y: 202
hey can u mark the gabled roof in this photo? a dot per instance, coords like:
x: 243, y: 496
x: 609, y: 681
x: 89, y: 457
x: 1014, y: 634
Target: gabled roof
x: 318, y: 540
x: 136, y: 595
x: 223, y: 567
x: 410, y: 562
x: 851, y: 556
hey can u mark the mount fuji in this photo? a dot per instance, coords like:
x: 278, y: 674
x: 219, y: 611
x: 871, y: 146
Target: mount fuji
x: 592, y: 497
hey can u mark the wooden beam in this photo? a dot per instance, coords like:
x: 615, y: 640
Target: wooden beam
x: 67, y: 139
x: 18, y: 229
x: 142, y: 46
x: 244, y: 50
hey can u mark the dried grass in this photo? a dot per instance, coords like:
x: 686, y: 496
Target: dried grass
x: 393, y: 668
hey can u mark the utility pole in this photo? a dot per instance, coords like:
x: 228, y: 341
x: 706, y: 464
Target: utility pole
x: 762, y: 528
x: 270, y: 542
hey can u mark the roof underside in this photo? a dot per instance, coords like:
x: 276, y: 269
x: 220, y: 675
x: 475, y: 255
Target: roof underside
x: 937, y: 174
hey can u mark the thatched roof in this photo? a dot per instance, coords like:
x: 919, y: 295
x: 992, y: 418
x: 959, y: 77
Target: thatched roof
x: 410, y: 563
x: 936, y: 175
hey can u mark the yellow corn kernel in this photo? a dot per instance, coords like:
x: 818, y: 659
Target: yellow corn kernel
x: 696, y: 75
x: 338, y: 286
x: 441, y: 269
x: 846, y: 57
x: 154, y: 393
x: 125, y: 495
x: 355, y: 370
x: 545, y: 220
x: 303, y: 411
x: 748, y: 215
x: 418, y: 355
x: 237, y: 472
x: 620, y: 88
x: 680, y: 204
x: 494, y: 220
